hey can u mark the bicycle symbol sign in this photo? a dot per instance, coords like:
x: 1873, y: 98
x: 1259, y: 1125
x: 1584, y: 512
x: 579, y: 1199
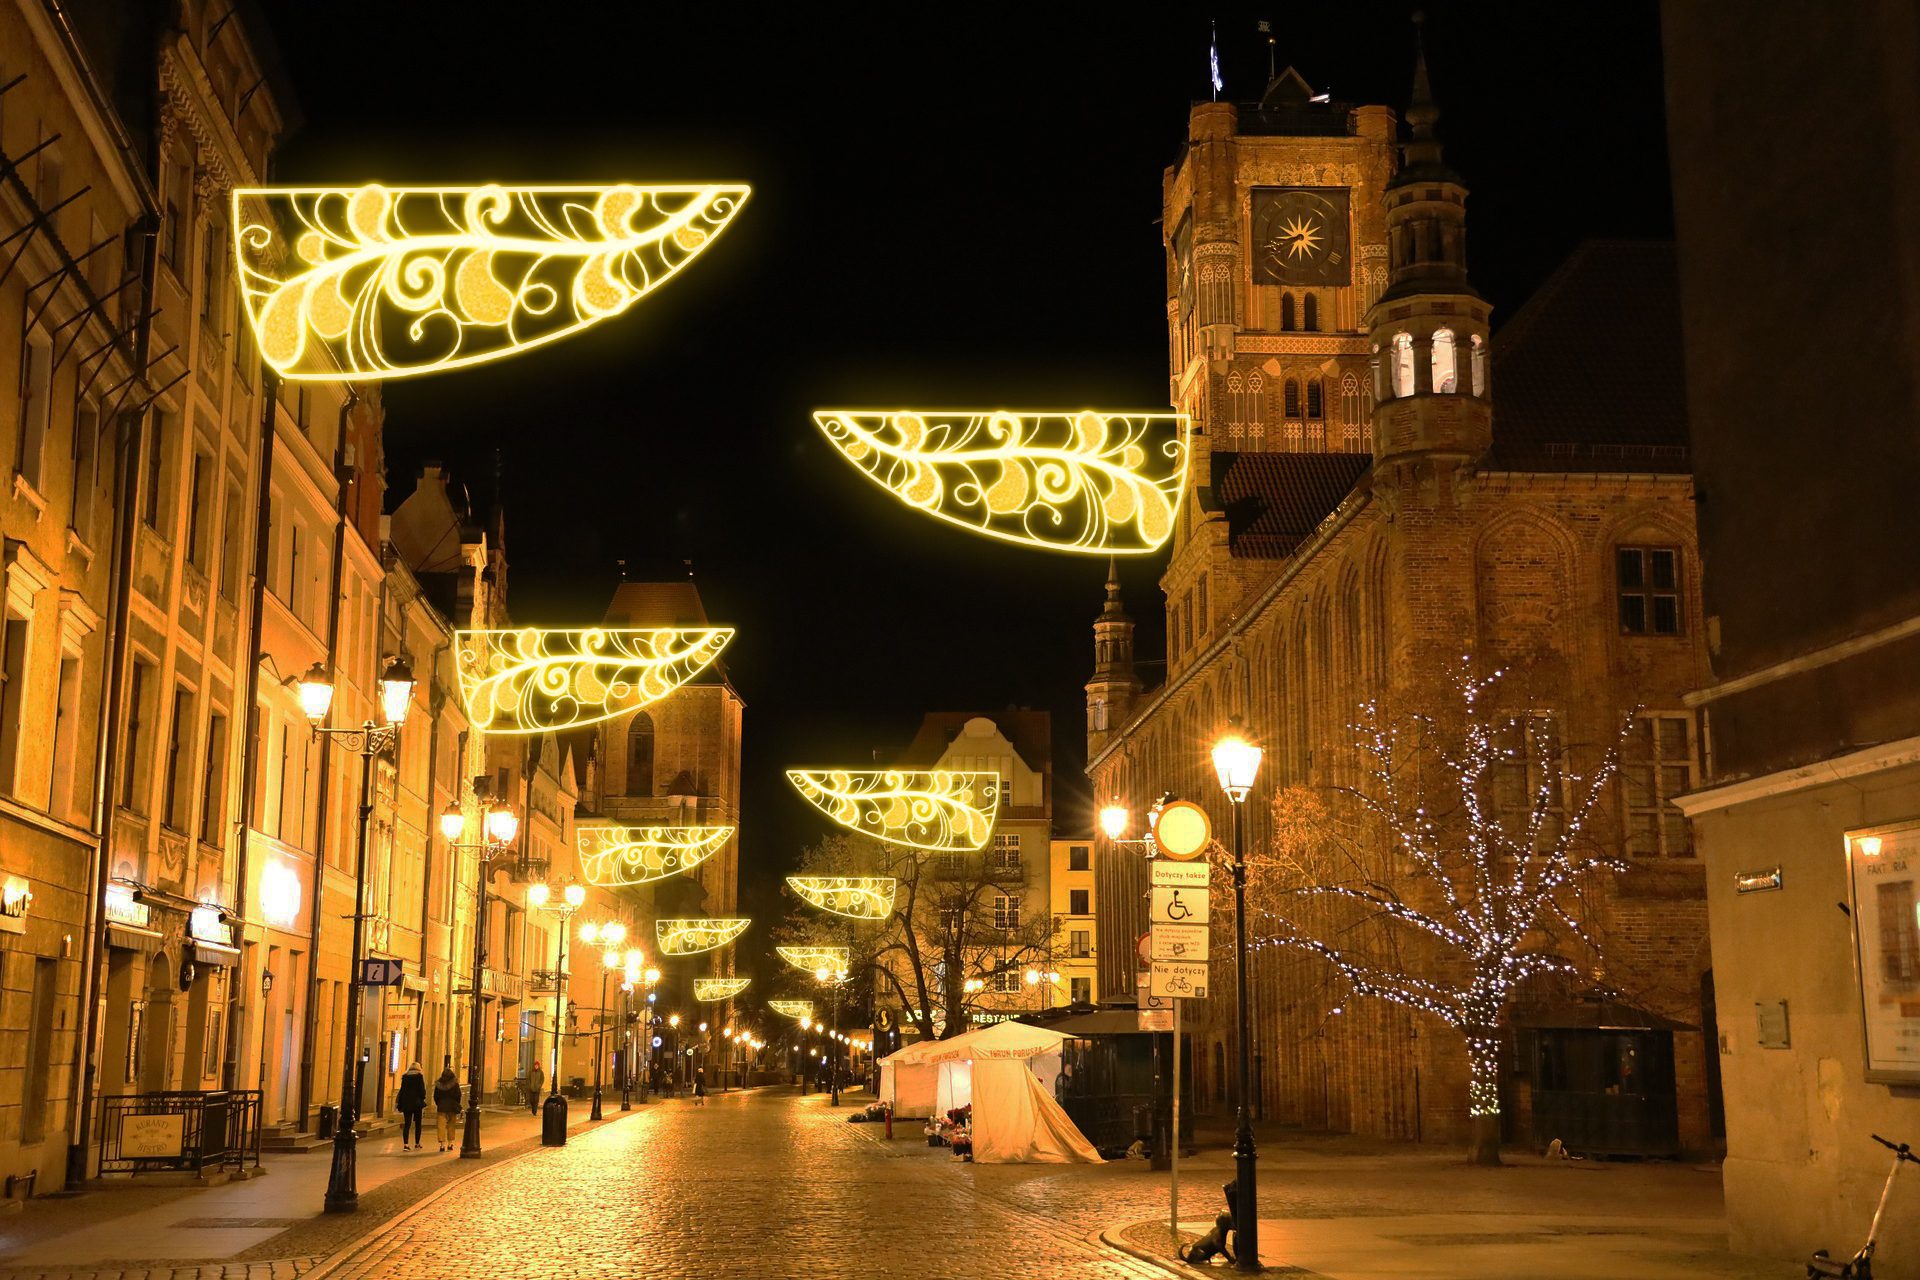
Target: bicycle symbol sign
x: 1175, y: 904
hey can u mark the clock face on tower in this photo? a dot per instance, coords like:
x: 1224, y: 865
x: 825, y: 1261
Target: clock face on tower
x: 1300, y: 236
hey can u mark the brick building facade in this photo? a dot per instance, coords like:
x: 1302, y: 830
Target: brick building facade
x: 1377, y: 489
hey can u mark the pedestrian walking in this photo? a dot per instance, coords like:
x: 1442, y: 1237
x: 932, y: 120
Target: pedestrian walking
x: 446, y: 1103
x: 700, y: 1087
x: 412, y: 1102
x: 535, y: 1079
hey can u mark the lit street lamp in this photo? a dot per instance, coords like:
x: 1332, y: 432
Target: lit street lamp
x: 834, y: 977
x: 370, y: 739
x: 501, y: 825
x: 553, y: 1112
x: 609, y: 935
x: 1237, y: 761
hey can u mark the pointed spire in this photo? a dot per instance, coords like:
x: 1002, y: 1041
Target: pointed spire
x: 1422, y: 112
x: 1115, y: 607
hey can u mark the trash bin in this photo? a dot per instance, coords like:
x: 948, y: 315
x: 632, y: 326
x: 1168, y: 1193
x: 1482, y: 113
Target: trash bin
x: 328, y: 1114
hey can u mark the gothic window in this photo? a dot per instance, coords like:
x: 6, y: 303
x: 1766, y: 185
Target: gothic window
x: 640, y: 756
x: 1286, y: 312
x: 1402, y: 384
x: 1316, y: 399
x: 1479, y: 357
x: 1310, y: 313
x: 1656, y: 764
x: 1445, y: 372
x: 1647, y: 580
x: 1290, y: 394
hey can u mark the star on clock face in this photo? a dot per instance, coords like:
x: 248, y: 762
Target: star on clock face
x: 1298, y: 238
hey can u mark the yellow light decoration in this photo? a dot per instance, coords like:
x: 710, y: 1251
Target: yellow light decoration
x: 859, y: 897
x: 388, y: 282
x: 1087, y: 481
x: 814, y: 959
x: 714, y: 990
x: 530, y: 680
x: 924, y: 809
x: 795, y: 1009
x: 686, y: 937
x: 614, y: 855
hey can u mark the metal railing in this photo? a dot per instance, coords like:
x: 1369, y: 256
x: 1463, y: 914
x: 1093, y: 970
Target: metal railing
x: 190, y: 1130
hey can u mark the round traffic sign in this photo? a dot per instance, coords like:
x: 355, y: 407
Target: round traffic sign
x: 1183, y: 830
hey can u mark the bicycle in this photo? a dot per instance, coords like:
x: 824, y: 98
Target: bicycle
x: 1860, y: 1265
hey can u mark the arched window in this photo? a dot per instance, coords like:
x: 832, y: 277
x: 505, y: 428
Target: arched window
x: 1286, y: 311
x: 1310, y: 313
x: 1291, y: 396
x: 1402, y: 364
x: 1445, y: 367
x: 640, y: 756
x: 1479, y: 357
x: 1316, y: 399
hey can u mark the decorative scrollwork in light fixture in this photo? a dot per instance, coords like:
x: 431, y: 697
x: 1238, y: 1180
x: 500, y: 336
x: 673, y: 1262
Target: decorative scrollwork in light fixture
x: 530, y: 680
x: 616, y: 855
x: 690, y: 936
x: 939, y: 809
x: 1088, y: 481
x: 714, y: 990
x: 857, y: 897
x: 795, y: 1009
x: 814, y: 959
x: 388, y: 282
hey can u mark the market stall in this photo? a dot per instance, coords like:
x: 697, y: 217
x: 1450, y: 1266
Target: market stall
x: 908, y: 1082
x: 1005, y: 1074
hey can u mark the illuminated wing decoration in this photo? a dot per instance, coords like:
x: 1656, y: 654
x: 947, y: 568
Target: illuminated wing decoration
x: 795, y: 1009
x: 687, y: 937
x: 814, y: 959
x: 388, y: 282
x: 923, y: 809
x: 528, y: 680
x: 1088, y: 482
x: 611, y: 855
x: 714, y: 990
x: 861, y: 897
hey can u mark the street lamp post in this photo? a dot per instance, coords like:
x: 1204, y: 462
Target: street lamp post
x: 370, y: 739
x: 553, y: 1112
x: 1237, y: 761
x: 630, y: 978
x: 501, y: 825
x: 834, y: 977
x: 610, y: 935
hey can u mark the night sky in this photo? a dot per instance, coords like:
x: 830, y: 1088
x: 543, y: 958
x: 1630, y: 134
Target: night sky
x: 953, y: 205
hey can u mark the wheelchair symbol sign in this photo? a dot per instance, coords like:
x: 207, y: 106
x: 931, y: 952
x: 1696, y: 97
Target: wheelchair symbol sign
x: 1177, y: 904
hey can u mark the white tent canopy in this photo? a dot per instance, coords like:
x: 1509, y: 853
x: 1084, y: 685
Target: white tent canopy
x: 1007, y: 1071
x: 908, y: 1082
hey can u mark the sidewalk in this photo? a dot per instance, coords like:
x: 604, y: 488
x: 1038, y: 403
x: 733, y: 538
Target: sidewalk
x: 271, y: 1225
x: 1348, y: 1209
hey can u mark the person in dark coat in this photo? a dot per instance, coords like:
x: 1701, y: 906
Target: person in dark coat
x: 446, y: 1103
x: 700, y: 1087
x: 536, y: 1079
x: 412, y: 1104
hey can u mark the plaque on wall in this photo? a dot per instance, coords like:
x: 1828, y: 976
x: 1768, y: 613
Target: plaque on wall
x: 1301, y: 236
x: 1884, y: 891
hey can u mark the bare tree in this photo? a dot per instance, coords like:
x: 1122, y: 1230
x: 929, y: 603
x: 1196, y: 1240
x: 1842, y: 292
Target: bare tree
x: 943, y: 929
x: 1450, y: 877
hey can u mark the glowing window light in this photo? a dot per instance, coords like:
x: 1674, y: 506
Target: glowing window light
x: 714, y: 990
x: 529, y: 680
x: 615, y: 855
x: 859, y: 897
x: 1086, y: 481
x: 811, y: 959
x: 388, y: 282
x: 795, y: 1009
x: 923, y: 809
x: 686, y: 937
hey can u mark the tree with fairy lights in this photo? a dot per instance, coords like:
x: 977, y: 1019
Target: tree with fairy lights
x: 1451, y: 877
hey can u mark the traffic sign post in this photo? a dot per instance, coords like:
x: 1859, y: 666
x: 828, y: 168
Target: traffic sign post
x: 1179, y: 942
x: 1180, y: 980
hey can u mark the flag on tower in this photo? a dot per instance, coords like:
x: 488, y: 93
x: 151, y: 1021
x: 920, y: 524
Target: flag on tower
x: 1213, y: 63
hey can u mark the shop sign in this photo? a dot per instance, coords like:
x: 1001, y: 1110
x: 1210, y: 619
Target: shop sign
x: 153, y: 1137
x: 121, y: 908
x: 206, y: 925
x: 15, y: 898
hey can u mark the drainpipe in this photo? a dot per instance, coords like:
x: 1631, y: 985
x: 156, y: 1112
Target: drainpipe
x: 130, y: 441
x: 249, y: 759
x: 310, y: 1025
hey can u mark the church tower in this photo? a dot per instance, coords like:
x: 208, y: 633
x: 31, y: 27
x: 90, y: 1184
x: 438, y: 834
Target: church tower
x: 1433, y: 407
x: 1111, y: 691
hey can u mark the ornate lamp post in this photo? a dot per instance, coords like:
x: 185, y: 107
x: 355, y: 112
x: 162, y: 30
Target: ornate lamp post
x: 553, y: 1112
x: 1237, y: 761
x: 370, y: 739
x: 629, y: 979
x: 609, y: 935
x: 501, y: 825
x: 833, y: 977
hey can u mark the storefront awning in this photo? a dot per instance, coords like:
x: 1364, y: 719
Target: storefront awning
x: 216, y: 955
x: 133, y: 938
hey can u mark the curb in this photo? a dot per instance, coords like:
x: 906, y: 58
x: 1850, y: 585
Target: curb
x: 353, y: 1248
x: 1110, y: 1238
